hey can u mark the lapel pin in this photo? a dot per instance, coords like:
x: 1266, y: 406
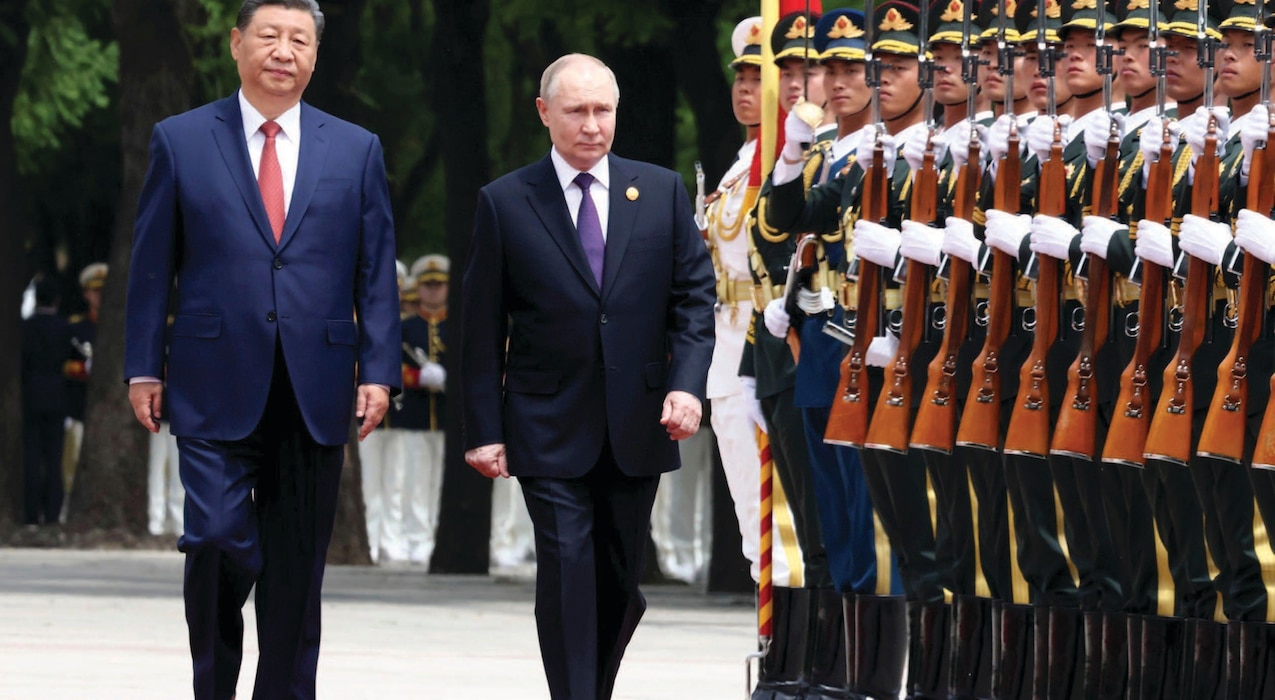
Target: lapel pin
x: 632, y: 194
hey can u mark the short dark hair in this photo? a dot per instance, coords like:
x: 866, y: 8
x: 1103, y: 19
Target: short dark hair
x: 250, y: 7
x: 46, y: 291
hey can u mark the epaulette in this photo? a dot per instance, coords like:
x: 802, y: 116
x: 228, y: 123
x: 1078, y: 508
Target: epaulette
x: 76, y: 318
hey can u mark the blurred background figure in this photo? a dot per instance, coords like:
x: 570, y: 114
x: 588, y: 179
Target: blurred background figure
x: 165, y: 497
x: 513, y: 542
x: 46, y: 345
x: 682, y: 517
x: 424, y: 409
x: 77, y: 369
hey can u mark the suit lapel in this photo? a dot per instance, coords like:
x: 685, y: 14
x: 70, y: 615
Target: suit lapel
x: 620, y: 219
x: 312, y: 155
x: 228, y: 133
x: 546, y: 199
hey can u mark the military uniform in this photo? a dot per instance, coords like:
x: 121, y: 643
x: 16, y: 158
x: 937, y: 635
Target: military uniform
x: 423, y: 414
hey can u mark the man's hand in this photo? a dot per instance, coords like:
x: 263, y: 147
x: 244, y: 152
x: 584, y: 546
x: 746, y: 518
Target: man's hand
x: 681, y: 415
x: 489, y: 460
x: 147, y: 399
x: 370, y: 407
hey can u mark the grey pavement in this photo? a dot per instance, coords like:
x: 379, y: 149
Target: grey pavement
x: 90, y: 625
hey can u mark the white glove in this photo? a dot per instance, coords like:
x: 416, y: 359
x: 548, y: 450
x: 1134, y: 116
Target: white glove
x: 1153, y: 137
x: 1252, y: 133
x: 865, y: 153
x: 1005, y: 231
x: 958, y: 141
x: 914, y: 148
x: 1098, y: 131
x: 998, y: 137
x: 776, y: 318
x: 1052, y: 236
x: 88, y: 366
x: 876, y: 243
x: 1155, y: 243
x: 921, y: 243
x: 1196, y: 127
x: 1255, y: 234
x: 959, y: 240
x: 1040, y: 135
x: 1204, y: 239
x: 813, y: 303
x: 433, y: 376
x: 796, y: 132
x: 752, y: 406
x: 1095, y: 236
x: 882, y: 350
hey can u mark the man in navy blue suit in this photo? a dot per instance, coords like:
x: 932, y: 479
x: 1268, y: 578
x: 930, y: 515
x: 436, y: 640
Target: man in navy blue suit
x: 273, y: 219
x: 587, y: 333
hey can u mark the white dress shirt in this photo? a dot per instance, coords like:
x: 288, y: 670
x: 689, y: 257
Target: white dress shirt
x: 287, y: 143
x: 601, y: 172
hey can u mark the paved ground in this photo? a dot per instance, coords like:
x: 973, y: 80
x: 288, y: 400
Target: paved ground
x: 80, y: 625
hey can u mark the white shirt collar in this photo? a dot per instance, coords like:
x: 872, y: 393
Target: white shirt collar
x: 289, y: 122
x: 601, y: 171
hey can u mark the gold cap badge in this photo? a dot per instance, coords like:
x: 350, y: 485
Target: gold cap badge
x: 800, y: 30
x: 955, y: 12
x: 894, y: 21
x: 844, y: 29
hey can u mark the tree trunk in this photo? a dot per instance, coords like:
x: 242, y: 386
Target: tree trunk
x: 646, y: 120
x: 699, y: 77
x: 13, y: 54
x: 349, y: 534
x: 463, y: 537
x: 156, y: 77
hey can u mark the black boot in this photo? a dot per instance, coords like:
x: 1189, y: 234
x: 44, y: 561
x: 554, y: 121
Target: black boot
x: 1257, y: 660
x: 931, y: 649
x: 1012, y: 651
x: 1162, y: 660
x: 1040, y: 653
x: 1114, y: 677
x: 828, y: 677
x: 1092, y: 646
x: 1135, y: 657
x: 1234, y: 652
x: 1065, y: 651
x: 971, y: 645
x: 780, y: 676
x: 881, y: 644
x: 1205, y: 671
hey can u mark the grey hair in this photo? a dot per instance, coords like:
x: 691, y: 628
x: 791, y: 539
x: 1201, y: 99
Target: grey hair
x: 250, y: 7
x: 549, y: 79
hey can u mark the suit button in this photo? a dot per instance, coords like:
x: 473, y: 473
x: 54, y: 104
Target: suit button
x: 271, y: 317
x: 603, y: 320
x: 278, y: 264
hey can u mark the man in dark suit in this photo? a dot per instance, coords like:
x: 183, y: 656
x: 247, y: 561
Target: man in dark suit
x: 587, y: 333
x: 46, y: 345
x: 274, y: 219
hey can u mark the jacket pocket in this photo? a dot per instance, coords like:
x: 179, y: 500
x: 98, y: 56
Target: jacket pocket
x: 656, y: 375
x: 197, y: 325
x: 343, y: 333
x: 542, y: 382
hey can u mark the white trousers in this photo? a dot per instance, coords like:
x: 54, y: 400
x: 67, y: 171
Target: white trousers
x: 737, y: 444
x: 681, y: 519
x: 424, y: 490
x: 166, y: 498
x: 513, y: 541
x: 384, y: 463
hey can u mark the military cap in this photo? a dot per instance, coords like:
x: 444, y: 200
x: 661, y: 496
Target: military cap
x: 431, y: 268
x: 1083, y: 14
x: 93, y: 276
x: 793, y: 37
x: 840, y: 35
x: 1029, y: 25
x: 1181, y: 17
x: 988, y: 13
x: 947, y: 22
x: 1240, y: 14
x: 745, y: 41
x: 1135, y: 14
x: 897, y: 28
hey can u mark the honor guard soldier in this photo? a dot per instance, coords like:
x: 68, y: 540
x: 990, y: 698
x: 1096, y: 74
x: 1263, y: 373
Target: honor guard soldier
x: 77, y: 368
x: 424, y: 407
x: 46, y: 345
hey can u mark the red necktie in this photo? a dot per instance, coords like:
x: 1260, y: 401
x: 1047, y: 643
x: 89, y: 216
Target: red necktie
x: 270, y: 180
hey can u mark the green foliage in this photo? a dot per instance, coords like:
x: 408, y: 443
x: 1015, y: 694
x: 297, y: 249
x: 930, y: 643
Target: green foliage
x: 210, y: 49
x: 68, y: 74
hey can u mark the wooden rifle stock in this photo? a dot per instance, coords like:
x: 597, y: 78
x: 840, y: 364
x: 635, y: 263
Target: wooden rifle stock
x: 1169, y: 438
x: 848, y: 418
x: 1127, y: 434
x: 891, y: 421
x: 1028, y: 432
x: 935, y: 427
x: 981, y: 420
x: 1224, y: 428
x: 1076, y: 433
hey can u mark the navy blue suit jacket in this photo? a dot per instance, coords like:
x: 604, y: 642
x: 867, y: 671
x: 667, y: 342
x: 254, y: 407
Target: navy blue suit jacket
x: 583, y: 364
x: 201, y: 220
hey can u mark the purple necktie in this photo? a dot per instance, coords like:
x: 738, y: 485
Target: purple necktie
x: 590, y: 227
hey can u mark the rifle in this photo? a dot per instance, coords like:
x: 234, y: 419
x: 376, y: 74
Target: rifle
x: 1076, y: 432
x: 980, y: 423
x: 890, y: 426
x: 935, y: 427
x: 1169, y: 438
x: 848, y: 417
x: 1127, y: 434
x: 800, y: 271
x: 1224, y: 427
x: 1029, y: 423
x: 701, y: 220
